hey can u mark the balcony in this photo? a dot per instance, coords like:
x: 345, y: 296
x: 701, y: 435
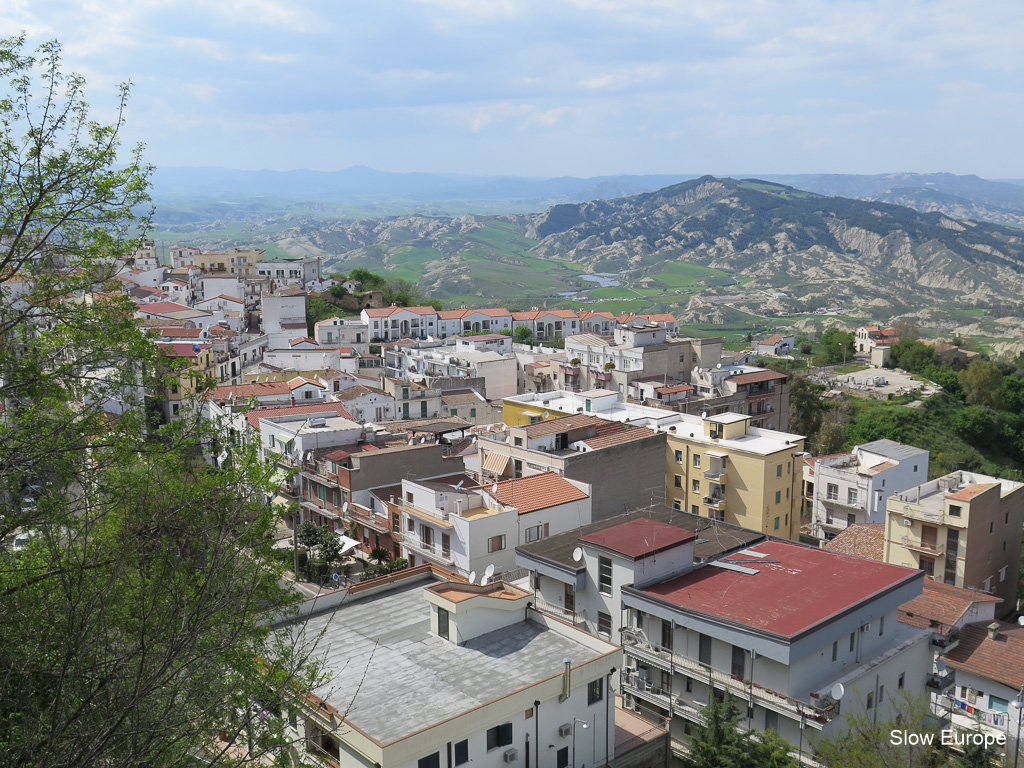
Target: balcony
x: 815, y: 715
x: 570, y: 370
x: 321, y: 755
x: 324, y: 508
x: 430, y: 549
x: 940, y: 683
x: 946, y: 640
x: 926, y: 547
x: 644, y: 689
x: 602, y: 375
x: 930, y: 514
x: 715, y: 475
x: 578, y: 618
x: 319, y: 473
x: 715, y: 502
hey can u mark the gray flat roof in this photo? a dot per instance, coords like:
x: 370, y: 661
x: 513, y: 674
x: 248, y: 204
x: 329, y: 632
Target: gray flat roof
x: 390, y: 677
x: 892, y: 450
x: 713, y: 537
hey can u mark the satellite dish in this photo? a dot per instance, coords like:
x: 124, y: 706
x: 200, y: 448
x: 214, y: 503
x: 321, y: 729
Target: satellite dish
x: 494, y: 488
x: 838, y: 691
x: 472, y: 577
x: 488, y: 571
x: 344, y: 508
x: 547, y: 415
x: 703, y: 415
x: 577, y: 555
x: 718, y: 366
x: 1020, y: 620
x: 940, y: 665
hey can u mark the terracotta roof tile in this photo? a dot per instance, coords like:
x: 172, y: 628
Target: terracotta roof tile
x: 528, y: 494
x: 241, y: 392
x: 563, y: 424
x: 865, y: 540
x: 968, y: 493
x: 1001, y: 659
x: 757, y: 376
x: 614, y: 433
x: 941, y: 603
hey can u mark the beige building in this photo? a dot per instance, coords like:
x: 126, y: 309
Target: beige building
x: 723, y: 468
x: 962, y: 529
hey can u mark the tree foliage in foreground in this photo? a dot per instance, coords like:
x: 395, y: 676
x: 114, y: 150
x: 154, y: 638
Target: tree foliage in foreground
x: 131, y: 628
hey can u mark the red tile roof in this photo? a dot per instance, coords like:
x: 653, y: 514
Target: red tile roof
x: 941, y: 603
x: 178, y: 333
x: 301, y: 340
x: 865, y: 540
x: 163, y: 307
x: 663, y: 317
x: 968, y: 493
x: 615, y: 433
x: 795, y: 588
x: 756, y: 377
x: 1001, y: 659
x: 639, y: 538
x: 528, y: 494
x: 674, y: 389
x: 244, y: 391
x: 388, y: 311
x: 771, y: 340
x: 182, y: 350
x: 563, y: 424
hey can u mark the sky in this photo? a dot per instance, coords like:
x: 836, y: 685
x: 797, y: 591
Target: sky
x: 554, y: 87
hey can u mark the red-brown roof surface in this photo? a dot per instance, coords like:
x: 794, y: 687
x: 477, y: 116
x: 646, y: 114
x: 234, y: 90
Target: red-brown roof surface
x: 615, y: 433
x: 388, y: 311
x: 865, y: 540
x: 968, y: 493
x: 528, y: 494
x: 563, y: 424
x: 942, y: 603
x: 179, y: 333
x: 674, y: 389
x: 639, y: 538
x: 795, y: 588
x: 756, y: 376
x: 163, y: 307
x: 245, y: 391
x: 771, y: 340
x: 1001, y: 659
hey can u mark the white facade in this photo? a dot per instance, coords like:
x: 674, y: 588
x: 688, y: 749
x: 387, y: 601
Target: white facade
x: 290, y: 271
x: 283, y: 313
x: 343, y: 332
x: 394, y: 323
x: 455, y: 322
x: 213, y: 285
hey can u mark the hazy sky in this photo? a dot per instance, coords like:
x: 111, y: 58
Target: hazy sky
x: 556, y: 87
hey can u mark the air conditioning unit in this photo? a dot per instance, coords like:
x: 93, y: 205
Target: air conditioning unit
x: 565, y: 730
x: 511, y: 755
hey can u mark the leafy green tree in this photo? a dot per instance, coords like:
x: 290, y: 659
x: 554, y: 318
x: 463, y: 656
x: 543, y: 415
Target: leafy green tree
x: 838, y: 345
x: 718, y: 743
x: 913, y: 356
x: 1011, y: 394
x: 976, y: 756
x: 975, y: 424
x: 982, y: 382
x: 132, y: 628
x: 522, y: 335
x: 338, y: 291
x: 773, y: 751
x: 806, y: 410
x: 906, y: 328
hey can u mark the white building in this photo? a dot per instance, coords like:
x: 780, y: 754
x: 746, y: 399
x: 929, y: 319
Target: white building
x: 776, y: 346
x: 782, y: 627
x: 284, y: 312
x: 488, y: 359
x: 343, y: 332
x: 368, y: 403
x: 450, y: 523
x: 394, y: 323
x: 452, y: 322
x: 290, y: 271
x: 853, y: 487
x: 451, y: 674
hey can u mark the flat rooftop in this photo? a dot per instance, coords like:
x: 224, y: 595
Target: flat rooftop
x: 793, y: 589
x: 639, y: 537
x: 393, y: 677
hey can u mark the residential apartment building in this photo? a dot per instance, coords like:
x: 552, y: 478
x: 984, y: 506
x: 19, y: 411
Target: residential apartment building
x: 484, y: 678
x: 469, y: 529
x: 394, y: 323
x: 724, y: 468
x: 716, y: 466
x: 852, y: 488
x: 802, y: 637
x: 962, y: 529
x: 486, y: 359
x: 412, y: 400
x: 623, y: 463
x: 290, y: 270
x: 761, y: 394
x: 452, y: 322
x: 343, y: 332
x: 284, y: 312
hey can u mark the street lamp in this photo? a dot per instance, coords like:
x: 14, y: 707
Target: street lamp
x: 585, y: 725
x: 1018, y: 704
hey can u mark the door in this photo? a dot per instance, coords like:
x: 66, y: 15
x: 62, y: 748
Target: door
x: 929, y: 536
x: 570, y: 598
x: 405, y: 410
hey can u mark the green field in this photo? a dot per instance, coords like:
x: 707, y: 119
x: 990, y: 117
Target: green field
x: 683, y: 274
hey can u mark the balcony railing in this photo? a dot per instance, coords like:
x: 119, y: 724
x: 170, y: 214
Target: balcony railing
x: 714, y: 501
x: 814, y: 715
x: 938, y: 682
x: 429, y: 549
x: 929, y: 548
x: 324, y: 508
x: 645, y: 689
x: 321, y: 754
x: 716, y: 475
x: 579, y: 618
x: 948, y: 639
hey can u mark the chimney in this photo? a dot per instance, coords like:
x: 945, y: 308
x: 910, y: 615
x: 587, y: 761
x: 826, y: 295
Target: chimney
x: 993, y: 630
x: 566, y: 679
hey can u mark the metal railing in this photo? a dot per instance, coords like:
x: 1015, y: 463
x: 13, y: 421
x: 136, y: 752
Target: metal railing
x: 430, y: 549
x: 645, y: 689
x: 813, y: 714
x: 923, y: 546
x: 578, y: 618
x: 946, y: 639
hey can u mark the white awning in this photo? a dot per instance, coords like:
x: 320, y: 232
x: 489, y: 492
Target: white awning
x: 496, y: 463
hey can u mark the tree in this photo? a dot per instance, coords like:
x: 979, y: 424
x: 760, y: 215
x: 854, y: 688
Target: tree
x: 838, y: 345
x: 338, y: 291
x: 805, y: 407
x: 976, y: 755
x: 773, y: 751
x: 982, y: 382
x: 380, y: 555
x: 906, y: 328
x: 718, y: 743
x: 132, y: 627
x: 522, y: 335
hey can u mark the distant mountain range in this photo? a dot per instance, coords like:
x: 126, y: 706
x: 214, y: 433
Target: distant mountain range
x: 248, y: 195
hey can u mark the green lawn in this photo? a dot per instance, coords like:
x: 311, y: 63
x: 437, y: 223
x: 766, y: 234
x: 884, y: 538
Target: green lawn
x: 853, y: 368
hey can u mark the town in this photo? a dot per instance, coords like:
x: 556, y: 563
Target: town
x: 561, y: 537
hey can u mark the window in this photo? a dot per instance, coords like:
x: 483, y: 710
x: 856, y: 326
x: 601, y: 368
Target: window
x: 696, y: 461
x: 604, y: 624
x: 997, y: 704
x: 991, y: 526
x: 595, y: 691
x: 832, y: 492
x: 518, y: 442
x: 472, y: 413
x: 915, y: 467
x: 689, y: 685
x: 871, y: 700
x: 455, y: 411
x: 442, y: 623
x: 835, y: 650
x: 899, y: 683
x: 562, y: 758
x: 396, y: 523
x: 954, y: 510
x: 694, y: 509
x: 853, y: 641
x: 408, y: 497
x: 881, y: 694
x: 678, y: 481
x: 678, y: 507
x: 537, y: 532
x: 679, y: 457
x: 778, y: 497
x: 851, y: 495
x: 496, y: 543
x: 881, y: 630
x: 499, y: 736
x: 771, y: 720
x: 410, y: 525
x: 778, y: 471
x: 695, y: 486
x: 739, y: 662
x: 604, y: 575
x: 776, y: 523
x: 462, y: 752
x: 446, y: 544
x: 704, y: 649
x: 430, y: 761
